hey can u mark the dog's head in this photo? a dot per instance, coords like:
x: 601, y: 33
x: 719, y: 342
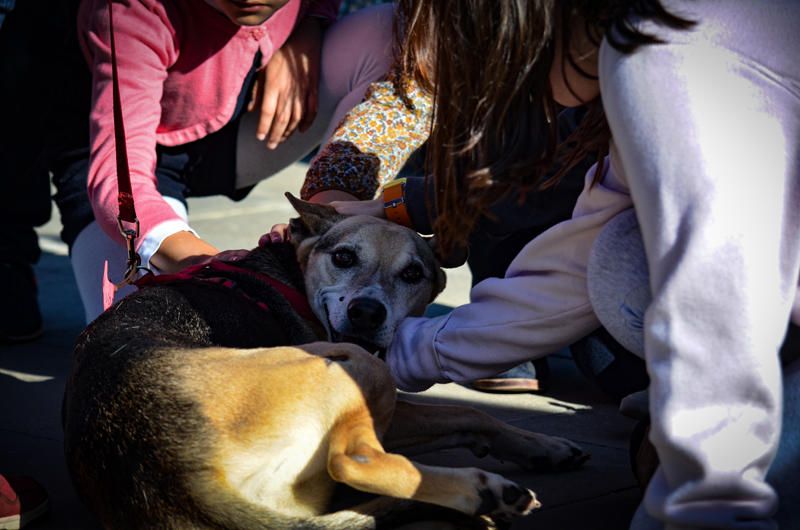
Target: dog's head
x: 363, y: 275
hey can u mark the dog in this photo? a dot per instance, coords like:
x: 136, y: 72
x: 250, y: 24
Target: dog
x: 239, y: 395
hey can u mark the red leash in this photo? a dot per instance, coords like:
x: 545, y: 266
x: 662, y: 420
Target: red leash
x: 127, y: 222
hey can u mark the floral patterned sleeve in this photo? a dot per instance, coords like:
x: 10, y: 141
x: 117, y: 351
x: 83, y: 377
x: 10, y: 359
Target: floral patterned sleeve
x: 372, y: 143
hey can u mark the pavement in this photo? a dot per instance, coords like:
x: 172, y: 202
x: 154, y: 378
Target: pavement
x: 600, y: 496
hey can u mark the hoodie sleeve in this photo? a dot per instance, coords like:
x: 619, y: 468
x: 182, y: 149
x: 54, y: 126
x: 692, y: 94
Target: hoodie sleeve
x: 143, y: 58
x: 540, y: 306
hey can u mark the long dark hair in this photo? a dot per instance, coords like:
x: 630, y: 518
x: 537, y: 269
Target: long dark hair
x: 486, y: 64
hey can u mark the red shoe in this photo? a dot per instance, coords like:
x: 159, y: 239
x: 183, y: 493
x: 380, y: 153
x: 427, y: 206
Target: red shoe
x: 22, y: 500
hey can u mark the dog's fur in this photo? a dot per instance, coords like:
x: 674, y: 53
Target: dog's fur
x: 190, y: 407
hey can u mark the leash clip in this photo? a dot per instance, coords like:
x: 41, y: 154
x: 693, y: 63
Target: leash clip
x: 134, y: 260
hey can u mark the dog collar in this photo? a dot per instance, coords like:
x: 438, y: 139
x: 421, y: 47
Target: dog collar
x: 219, y: 272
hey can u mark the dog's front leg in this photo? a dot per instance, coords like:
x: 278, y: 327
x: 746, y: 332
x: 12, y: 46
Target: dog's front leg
x: 357, y: 458
x: 419, y: 428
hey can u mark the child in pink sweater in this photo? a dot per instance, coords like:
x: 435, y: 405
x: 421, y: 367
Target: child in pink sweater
x: 189, y: 71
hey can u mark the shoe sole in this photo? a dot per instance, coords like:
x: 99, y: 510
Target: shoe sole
x: 506, y: 385
x: 15, y: 522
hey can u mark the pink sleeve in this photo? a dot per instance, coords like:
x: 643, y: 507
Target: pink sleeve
x: 145, y: 50
x: 325, y: 9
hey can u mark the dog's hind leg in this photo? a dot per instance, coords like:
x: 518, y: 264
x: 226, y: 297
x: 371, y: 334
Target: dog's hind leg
x: 420, y: 428
x: 357, y: 458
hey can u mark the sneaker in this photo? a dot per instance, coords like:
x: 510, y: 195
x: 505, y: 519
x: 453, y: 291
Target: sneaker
x: 527, y: 377
x: 20, y: 319
x: 22, y: 500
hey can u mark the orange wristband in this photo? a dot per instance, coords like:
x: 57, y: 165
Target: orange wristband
x: 394, y: 203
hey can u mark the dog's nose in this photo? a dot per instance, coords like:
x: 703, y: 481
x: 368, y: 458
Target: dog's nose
x: 366, y: 314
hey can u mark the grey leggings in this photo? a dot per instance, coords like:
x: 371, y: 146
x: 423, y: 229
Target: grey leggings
x: 619, y: 290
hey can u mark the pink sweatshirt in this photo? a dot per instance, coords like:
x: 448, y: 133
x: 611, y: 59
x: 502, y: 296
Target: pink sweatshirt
x: 181, y: 67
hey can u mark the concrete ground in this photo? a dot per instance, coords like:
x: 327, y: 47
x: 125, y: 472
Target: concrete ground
x: 600, y: 496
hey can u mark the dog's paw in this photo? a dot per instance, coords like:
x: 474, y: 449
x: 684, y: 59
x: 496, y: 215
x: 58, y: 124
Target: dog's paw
x: 560, y: 455
x: 503, y: 500
x: 539, y: 452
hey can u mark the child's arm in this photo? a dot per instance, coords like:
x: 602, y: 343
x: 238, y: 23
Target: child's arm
x: 143, y: 59
x: 370, y: 146
x: 180, y: 250
x: 540, y: 306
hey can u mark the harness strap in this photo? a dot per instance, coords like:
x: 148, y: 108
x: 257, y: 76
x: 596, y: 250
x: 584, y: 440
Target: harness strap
x: 205, y: 272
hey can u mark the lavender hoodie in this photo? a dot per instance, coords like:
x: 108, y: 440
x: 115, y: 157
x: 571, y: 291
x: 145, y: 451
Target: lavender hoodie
x: 707, y: 147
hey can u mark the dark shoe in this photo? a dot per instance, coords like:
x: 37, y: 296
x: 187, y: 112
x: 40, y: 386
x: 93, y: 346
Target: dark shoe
x: 20, y: 319
x: 527, y: 377
x: 22, y: 500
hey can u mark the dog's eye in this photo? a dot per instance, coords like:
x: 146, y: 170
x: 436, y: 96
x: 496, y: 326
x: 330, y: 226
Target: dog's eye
x: 344, y: 258
x: 412, y: 274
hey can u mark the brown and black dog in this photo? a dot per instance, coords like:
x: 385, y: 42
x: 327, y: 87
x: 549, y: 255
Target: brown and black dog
x: 208, y: 400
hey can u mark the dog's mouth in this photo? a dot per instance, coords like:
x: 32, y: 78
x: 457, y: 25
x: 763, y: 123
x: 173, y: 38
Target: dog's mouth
x: 335, y: 336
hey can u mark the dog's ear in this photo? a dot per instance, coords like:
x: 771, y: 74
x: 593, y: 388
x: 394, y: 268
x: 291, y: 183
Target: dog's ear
x: 455, y: 258
x: 314, y: 220
x: 441, y: 283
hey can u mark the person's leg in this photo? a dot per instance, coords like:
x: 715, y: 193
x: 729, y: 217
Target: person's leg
x: 26, y: 60
x: 356, y: 52
x: 706, y: 131
x: 619, y: 290
x: 6, y: 6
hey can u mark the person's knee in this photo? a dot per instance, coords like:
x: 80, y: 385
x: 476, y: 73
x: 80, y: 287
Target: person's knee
x: 357, y: 49
x: 618, y: 282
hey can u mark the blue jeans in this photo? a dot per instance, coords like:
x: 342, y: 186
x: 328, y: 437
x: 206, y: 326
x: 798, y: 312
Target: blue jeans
x: 31, y: 56
x: 620, y: 294
x: 6, y: 6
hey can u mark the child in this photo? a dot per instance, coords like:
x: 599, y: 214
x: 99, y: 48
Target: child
x: 705, y: 120
x: 188, y: 71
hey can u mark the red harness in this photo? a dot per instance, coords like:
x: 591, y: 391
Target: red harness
x: 216, y: 272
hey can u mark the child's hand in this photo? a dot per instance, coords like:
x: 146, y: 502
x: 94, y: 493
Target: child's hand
x: 286, y: 89
x: 279, y: 233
